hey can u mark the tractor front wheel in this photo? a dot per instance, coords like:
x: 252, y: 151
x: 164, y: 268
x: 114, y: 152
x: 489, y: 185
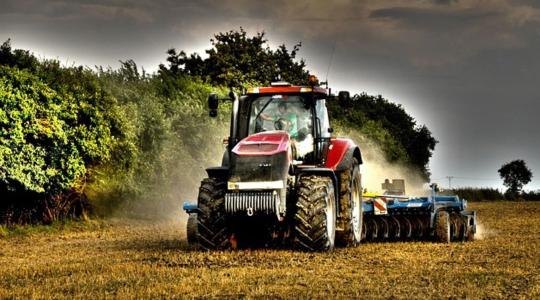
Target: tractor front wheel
x: 212, y: 233
x: 315, y: 217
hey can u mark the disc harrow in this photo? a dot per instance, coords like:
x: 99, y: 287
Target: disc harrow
x: 399, y: 217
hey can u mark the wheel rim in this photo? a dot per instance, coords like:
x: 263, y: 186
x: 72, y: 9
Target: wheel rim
x: 356, y: 210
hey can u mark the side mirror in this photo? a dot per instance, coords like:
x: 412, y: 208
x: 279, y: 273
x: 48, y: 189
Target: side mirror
x: 344, y: 97
x: 213, y: 103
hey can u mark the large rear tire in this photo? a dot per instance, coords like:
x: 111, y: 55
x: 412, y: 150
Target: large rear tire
x: 212, y: 233
x: 352, y: 212
x: 315, y: 217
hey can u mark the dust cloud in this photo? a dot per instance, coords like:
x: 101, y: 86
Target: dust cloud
x: 183, y: 170
x: 376, y: 168
x: 482, y: 232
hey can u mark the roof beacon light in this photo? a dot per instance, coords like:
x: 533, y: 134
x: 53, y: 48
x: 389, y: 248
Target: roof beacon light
x: 313, y: 80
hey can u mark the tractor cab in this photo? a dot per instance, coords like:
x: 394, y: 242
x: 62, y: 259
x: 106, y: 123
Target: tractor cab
x: 299, y: 111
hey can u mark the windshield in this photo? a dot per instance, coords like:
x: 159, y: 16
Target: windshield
x: 281, y: 112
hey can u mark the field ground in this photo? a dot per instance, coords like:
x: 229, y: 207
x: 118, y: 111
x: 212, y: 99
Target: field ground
x: 152, y: 260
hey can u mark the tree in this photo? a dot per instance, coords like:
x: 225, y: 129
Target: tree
x: 515, y: 175
x: 236, y: 58
x: 22, y: 59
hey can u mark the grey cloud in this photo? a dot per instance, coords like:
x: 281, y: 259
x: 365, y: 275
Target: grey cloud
x: 435, y: 18
x: 444, y: 2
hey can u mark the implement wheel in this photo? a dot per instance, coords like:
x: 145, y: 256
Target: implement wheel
x: 315, y: 217
x: 212, y: 231
x: 352, y: 212
x: 442, y: 227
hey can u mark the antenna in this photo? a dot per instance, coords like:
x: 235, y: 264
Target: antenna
x: 450, y: 181
x: 331, y: 60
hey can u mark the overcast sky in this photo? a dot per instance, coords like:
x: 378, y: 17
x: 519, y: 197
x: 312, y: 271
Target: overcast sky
x: 469, y: 70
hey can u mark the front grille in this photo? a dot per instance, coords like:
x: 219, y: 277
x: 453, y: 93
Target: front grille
x: 251, y: 202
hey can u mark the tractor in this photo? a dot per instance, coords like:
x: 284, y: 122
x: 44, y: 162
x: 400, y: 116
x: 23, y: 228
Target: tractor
x: 286, y: 181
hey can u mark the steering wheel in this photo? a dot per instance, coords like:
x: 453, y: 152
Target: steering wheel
x: 282, y: 124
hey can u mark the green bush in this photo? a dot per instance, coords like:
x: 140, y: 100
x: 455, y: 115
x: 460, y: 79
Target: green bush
x: 46, y: 138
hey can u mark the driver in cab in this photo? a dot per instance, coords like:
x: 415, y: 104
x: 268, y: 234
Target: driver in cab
x: 284, y: 120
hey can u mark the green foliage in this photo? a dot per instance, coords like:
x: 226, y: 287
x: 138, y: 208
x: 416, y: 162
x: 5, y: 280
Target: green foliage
x: 530, y: 195
x: 237, y: 59
x: 491, y: 194
x: 17, y: 58
x: 515, y: 175
x: 477, y: 194
x: 46, y: 138
x: 165, y: 141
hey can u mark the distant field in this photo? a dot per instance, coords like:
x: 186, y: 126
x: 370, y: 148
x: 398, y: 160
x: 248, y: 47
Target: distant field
x: 121, y: 259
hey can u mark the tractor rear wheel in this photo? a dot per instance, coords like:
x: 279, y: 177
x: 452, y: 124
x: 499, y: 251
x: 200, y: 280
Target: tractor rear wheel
x: 442, y: 227
x: 212, y: 230
x: 315, y: 216
x: 351, y: 215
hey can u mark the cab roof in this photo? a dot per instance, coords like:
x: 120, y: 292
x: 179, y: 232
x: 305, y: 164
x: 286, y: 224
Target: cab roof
x: 286, y: 89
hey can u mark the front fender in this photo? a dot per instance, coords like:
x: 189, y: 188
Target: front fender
x: 341, y: 154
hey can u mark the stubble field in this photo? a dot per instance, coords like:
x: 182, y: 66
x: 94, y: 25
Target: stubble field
x: 128, y: 259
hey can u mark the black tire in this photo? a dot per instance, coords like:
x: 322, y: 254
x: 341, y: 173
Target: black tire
x: 350, y: 218
x: 470, y: 233
x: 315, y: 216
x: 192, y: 230
x: 442, y: 227
x: 212, y: 233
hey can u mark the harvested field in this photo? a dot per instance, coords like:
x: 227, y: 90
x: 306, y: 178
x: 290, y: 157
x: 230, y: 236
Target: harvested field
x: 150, y: 260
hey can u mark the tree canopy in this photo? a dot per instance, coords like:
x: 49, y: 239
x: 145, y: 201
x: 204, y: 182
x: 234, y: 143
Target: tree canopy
x: 515, y: 175
x: 236, y: 59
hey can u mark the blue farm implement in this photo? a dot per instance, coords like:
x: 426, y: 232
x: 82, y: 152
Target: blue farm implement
x: 398, y: 217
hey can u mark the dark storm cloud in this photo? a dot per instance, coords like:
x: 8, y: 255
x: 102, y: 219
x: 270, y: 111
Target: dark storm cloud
x: 469, y: 69
x: 444, y: 2
x: 434, y: 18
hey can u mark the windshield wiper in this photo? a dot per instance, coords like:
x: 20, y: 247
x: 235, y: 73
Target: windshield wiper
x: 264, y: 107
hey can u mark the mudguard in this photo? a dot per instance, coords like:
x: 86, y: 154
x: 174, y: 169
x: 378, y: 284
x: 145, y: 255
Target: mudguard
x: 341, y: 153
x: 218, y: 172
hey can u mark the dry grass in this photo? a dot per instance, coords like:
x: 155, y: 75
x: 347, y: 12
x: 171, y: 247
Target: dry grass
x: 144, y: 260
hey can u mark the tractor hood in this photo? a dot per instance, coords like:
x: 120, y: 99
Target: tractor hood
x: 264, y: 143
x: 264, y: 156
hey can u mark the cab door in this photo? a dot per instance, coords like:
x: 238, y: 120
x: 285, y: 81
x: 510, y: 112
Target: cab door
x: 322, y: 130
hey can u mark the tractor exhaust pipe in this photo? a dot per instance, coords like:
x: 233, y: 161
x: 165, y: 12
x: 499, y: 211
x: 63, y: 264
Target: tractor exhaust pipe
x: 233, y: 137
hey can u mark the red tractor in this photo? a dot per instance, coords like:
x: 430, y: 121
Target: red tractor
x: 284, y: 180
